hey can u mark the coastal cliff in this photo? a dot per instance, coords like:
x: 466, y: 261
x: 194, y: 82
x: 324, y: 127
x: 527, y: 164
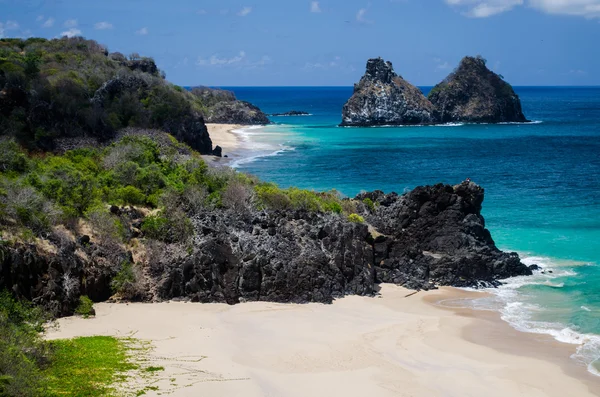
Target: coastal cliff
x: 384, y: 98
x: 475, y: 94
x: 226, y: 237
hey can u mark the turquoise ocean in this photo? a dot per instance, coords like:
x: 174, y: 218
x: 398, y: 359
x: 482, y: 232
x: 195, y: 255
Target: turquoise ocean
x: 542, y: 184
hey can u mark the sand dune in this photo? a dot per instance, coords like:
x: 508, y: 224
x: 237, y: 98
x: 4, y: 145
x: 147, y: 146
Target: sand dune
x: 387, y: 346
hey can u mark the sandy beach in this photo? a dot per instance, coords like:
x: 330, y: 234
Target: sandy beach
x: 391, y: 345
x: 222, y: 135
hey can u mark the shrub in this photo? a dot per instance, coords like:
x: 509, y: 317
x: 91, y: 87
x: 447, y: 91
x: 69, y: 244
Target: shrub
x: 270, y: 196
x: 129, y: 281
x: 22, y: 350
x: 107, y: 227
x: 85, y: 307
x: 131, y: 195
x: 369, y: 203
x: 355, y: 218
x: 28, y: 208
x: 171, y: 226
x: 237, y: 196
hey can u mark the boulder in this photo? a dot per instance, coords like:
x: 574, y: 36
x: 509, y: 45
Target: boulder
x: 475, y: 94
x: 384, y: 98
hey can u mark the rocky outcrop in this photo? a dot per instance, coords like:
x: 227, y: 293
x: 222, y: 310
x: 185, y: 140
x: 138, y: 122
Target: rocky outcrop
x: 475, y: 94
x: 384, y: 98
x: 291, y: 113
x: 434, y: 235
x: 222, y: 107
x: 236, y: 112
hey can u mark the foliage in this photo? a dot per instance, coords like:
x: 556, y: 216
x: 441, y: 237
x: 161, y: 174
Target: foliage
x: 86, y: 307
x: 369, y: 203
x: 88, y: 366
x: 72, y: 87
x: 22, y: 350
x: 355, y: 218
x: 271, y: 196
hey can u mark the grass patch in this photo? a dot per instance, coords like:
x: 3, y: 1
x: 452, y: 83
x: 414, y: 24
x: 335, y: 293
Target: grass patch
x: 355, y: 218
x: 87, y: 366
x: 154, y: 369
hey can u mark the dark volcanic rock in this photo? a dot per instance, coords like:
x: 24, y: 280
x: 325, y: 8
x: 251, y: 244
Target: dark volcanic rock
x: 475, y: 94
x: 237, y: 112
x: 434, y: 235
x: 292, y: 113
x: 222, y: 107
x: 384, y: 98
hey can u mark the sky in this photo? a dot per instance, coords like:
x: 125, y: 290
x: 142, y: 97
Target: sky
x: 327, y: 42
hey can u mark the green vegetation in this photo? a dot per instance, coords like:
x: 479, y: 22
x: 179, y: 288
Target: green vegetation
x: 86, y: 307
x: 355, y: 218
x: 22, y: 351
x: 81, y: 367
x: 369, y: 203
x: 87, y: 366
x: 72, y: 87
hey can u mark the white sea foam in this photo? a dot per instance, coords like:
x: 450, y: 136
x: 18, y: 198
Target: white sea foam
x: 257, y: 143
x: 516, y: 309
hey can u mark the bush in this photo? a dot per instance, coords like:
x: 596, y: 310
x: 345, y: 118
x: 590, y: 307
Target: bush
x: 128, y: 282
x: 86, y: 307
x: 22, y: 350
x: 171, y: 226
x: 131, y: 195
x: 355, y: 218
x: 369, y: 203
x: 28, y: 208
x: 270, y: 196
x: 237, y: 196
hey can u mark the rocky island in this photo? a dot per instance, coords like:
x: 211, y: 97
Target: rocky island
x: 472, y: 93
x: 475, y: 94
x: 384, y: 98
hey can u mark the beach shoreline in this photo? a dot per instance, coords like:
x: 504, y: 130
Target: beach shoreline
x: 398, y: 343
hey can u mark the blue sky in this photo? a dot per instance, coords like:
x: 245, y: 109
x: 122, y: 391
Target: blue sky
x: 327, y: 42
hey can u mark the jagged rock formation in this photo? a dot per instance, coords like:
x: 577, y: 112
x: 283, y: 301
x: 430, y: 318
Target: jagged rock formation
x: 222, y: 107
x: 434, y: 235
x: 475, y: 94
x: 237, y: 112
x: 384, y: 98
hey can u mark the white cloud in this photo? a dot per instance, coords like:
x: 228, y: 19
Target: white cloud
x: 70, y: 23
x: 201, y: 12
x: 361, y: 16
x: 333, y: 63
x: 487, y: 8
x: 245, y: 11
x: 48, y: 23
x: 39, y: 18
x: 71, y: 33
x: 103, y: 25
x: 215, y: 60
x: 583, y: 8
x: 11, y: 25
x: 240, y: 60
x: 142, y: 32
x: 315, y: 7
x: 484, y: 8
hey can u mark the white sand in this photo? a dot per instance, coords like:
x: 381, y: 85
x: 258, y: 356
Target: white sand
x: 358, y: 346
x: 221, y: 135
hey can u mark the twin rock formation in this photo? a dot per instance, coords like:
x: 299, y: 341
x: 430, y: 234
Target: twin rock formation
x: 472, y: 94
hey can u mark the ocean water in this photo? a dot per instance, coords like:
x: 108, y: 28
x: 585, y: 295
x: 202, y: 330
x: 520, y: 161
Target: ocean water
x: 542, y: 183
